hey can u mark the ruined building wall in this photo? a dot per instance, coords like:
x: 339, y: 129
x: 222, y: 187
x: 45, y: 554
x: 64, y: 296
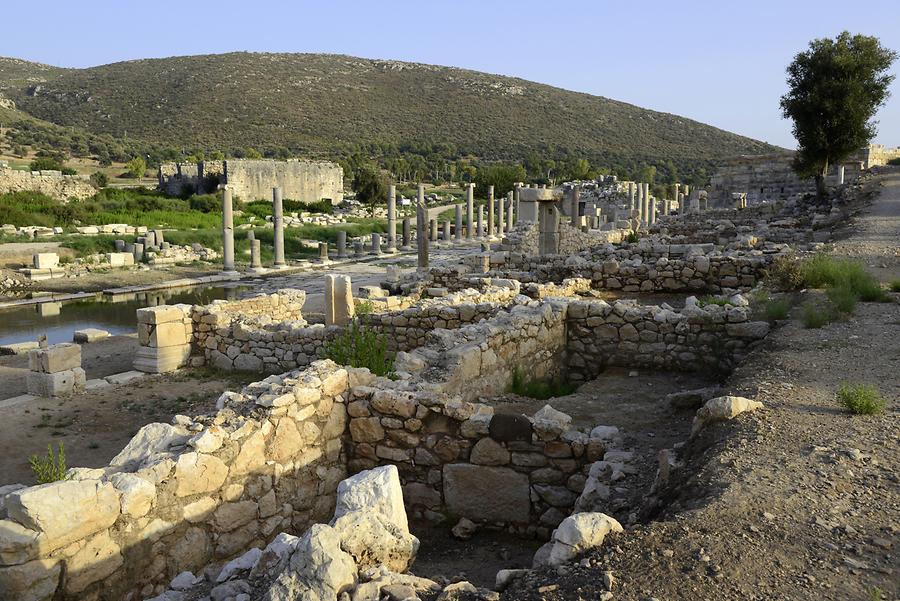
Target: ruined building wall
x: 300, y: 180
x: 768, y: 178
x: 303, y: 181
x: 877, y: 154
x: 51, y: 183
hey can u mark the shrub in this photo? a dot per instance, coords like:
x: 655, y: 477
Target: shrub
x: 895, y: 285
x: 46, y: 163
x: 361, y: 346
x: 843, y: 298
x: 823, y: 271
x: 541, y: 389
x: 68, y: 171
x: 711, y: 299
x: 816, y: 315
x: 861, y: 399
x: 785, y: 273
x: 49, y: 469
x: 777, y: 309
x: 99, y: 179
x: 631, y: 238
x: 895, y: 162
x: 205, y: 203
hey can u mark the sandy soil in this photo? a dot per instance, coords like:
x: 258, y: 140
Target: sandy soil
x: 797, y: 501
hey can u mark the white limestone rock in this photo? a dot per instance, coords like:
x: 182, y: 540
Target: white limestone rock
x: 377, y: 491
x: 318, y: 570
x: 550, y: 423
x: 720, y: 409
x: 150, y: 441
x: 577, y: 534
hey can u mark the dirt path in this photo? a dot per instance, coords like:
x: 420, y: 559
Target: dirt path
x: 798, y: 501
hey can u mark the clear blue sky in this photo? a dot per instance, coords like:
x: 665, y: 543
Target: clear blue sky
x: 718, y: 61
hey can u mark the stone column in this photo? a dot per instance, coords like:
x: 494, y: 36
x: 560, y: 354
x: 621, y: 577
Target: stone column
x: 433, y: 230
x: 406, y: 233
x: 392, y: 219
x: 421, y: 229
x: 342, y: 244
x: 631, y: 195
x: 227, y: 232
x: 509, y: 212
x: 840, y: 174
x: 323, y: 252
x: 138, y: 250
x: 575, y: 201
x: 470, y: 211
x: 457, y: 235
x: 501, y: 216
x: 640, y: 201
x: 255, y: 261
x: 548, y: 228
x: 480, y: 226
x: 278, y: 222
x: 357, y: 248
x: 339, y: 309
x: 446, y: 233
x: 376, y: 243
x: 490, y: 210
x: 646, y: 205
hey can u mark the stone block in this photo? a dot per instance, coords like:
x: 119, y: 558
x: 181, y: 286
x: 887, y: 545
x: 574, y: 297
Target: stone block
x: 487, y: 493
x: 18, y: 348
x: 168, y: 334
x: 45, y: 260
x: 124, y: 377
x: 89, y: 335
x: 160, y: 314
x: 120, y: 259
x: 60, y: 383
x: 57, y: 358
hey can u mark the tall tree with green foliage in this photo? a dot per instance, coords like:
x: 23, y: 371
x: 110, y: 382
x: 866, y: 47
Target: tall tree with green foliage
x: 835, y: 89
x: 136, y: 167
x: 500, y: 175
x: 370, y: 185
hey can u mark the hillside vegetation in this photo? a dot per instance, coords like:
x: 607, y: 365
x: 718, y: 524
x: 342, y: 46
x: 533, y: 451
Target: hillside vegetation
x: 331, y: 106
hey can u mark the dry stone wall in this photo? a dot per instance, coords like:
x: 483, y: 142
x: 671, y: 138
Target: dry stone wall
x: 179, y: 497
x: 51, y: 183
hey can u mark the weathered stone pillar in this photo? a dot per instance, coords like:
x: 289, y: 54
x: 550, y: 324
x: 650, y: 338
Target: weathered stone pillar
x: 433, y: 230
x: 139, y: 253
x: 358, y: 248
x: 548, y: 228
x: 509, y: 212
x: 640, y: 202
x: 342, y: 244
x: 575, y: 201
x: 406, y: 233
x: 376, y: 243
x: 470, y: 211
x: 840, y: 174
x: 457, y: 235
x: 490, y: 210
x: 227, y: 232
x: 323, y: 252
x: 446, y: 233
x: 255, y: 259
x: 480, y: 227
x: 421, y: 229
x: 631, y: 196
x: 339, y: 309
x: 392, y: 219
x: 646, y: 202
x: 501, y: 216
x: 278, y: 222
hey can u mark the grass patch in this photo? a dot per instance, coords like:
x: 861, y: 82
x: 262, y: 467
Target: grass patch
x: 51, y: 468
x: 361, y: 346
x: 777, y: 309
x: 895, y: 285
x: 823, y: 271
x: 861, y: 399
x: 842, y: 298
x: 785, y: 273
x: 816, y: 315
x: 711, y: 299
x: 541, y: 389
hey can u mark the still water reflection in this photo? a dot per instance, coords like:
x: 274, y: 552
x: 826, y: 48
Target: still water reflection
x: 116, y: 314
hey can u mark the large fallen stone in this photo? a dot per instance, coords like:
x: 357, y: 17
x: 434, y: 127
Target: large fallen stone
x: 372, y: 540
x: 318, y: 570
x: 487, y: 493
x: 576, y: 534
x: 721, y: 409
x: 148, y: 443
x: 378, y: 491
x: 550, y: 423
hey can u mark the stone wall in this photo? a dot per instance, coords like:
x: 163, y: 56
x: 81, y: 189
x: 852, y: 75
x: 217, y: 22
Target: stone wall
x: 179, y: 497
x: 249, y: 180
x: 626, y: 334
x: 303, y: 181
x: 571, y: 240
x: 51, y: 183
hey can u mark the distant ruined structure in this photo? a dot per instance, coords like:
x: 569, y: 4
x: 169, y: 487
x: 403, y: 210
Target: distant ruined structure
x: 51, y: 183
x: 770, y: 177
x: 300, y: 180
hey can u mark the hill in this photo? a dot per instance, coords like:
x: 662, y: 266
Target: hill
x: 316, y: 104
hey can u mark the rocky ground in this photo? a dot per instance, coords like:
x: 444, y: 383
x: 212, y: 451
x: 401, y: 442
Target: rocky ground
x: 796, y: 501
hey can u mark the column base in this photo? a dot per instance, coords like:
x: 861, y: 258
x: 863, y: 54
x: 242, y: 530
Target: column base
x: 279, y: 266
x: 405, y: 248
x: 231, y: 273
x: 257, y: 270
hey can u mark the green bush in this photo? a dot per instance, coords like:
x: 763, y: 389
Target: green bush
x: 99, y: 179
x: 777, y: 309
x: 711, y: 299
x: 816, y: 315
x: 631, y: 238
x: 46, y: 163
x: 895, y: 285
x: 823, y: 271
x: 843, y: 298
x: 541, y: 389
x: 361, y: 346
x: 895, y: 162
x: 205, y: 203
x: 49, y: 469
x: 861, y: 399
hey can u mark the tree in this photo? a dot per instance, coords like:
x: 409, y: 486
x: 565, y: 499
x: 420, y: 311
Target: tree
x: 136, y: 167
x: 370, y: 185
x: 834, y: 90
x: 502, y: 176
x: 253, y: 153
x: 46, y: 163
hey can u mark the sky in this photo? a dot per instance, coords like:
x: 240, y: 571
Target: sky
x: 721, y: 62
